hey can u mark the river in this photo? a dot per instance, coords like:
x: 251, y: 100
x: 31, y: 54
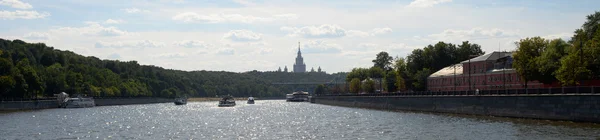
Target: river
x: 273, y: 119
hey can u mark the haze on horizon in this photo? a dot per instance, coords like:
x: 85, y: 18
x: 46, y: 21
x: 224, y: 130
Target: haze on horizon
x: 245, y: 35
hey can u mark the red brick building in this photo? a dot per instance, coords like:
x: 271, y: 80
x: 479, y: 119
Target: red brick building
x: 491, y: 71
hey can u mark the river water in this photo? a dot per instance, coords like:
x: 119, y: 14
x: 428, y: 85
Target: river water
x: 273, y: 119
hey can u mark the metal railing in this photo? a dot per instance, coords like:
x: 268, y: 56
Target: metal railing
x: 531, y: 91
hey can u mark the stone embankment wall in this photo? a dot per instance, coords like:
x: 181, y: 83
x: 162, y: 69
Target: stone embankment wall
x: 581, y: 108
x: 25, y: 105
x: 130, y: 101
x: 43, y: 104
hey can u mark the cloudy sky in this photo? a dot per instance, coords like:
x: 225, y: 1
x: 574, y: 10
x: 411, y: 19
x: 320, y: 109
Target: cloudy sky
x: 244, y: 35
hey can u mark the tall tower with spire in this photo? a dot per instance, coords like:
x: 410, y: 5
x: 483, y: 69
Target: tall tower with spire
x: 299, y: 66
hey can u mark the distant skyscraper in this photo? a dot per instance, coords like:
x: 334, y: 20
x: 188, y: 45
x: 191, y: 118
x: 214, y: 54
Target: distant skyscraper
x: 285, y: 69
x: 299, y: 66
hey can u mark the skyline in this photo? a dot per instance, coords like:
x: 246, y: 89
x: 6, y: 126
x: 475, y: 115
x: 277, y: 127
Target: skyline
x: 244, y: 35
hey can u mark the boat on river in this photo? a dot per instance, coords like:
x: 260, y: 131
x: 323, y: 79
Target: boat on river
x: 250, y: 100
x: 298, y: 96
x: 227, y: 101
x: 64, y: 101
x: 180, y: 101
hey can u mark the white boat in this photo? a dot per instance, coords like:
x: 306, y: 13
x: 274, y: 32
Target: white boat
x: 180, y: 101
x: 299, y: 96
x: 227, y: 101
x: 77, y: 102
x: 250, y: 100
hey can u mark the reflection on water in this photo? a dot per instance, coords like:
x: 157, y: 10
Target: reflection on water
x: 274, y: 119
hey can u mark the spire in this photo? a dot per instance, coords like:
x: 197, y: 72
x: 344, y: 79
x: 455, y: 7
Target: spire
x: 299, y: 53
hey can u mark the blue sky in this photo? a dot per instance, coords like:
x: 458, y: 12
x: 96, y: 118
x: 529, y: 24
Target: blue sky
x: 244, y: 35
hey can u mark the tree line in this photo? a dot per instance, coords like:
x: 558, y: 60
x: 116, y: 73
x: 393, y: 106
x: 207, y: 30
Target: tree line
x: 34, y: 70
x: 535, y: 59
x: 566, y: 62
x: 410, y: 73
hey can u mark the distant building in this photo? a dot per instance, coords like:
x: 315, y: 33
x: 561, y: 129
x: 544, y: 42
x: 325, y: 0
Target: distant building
x: 279, y: 70
x: 491, y: 71
x: 299, y: 66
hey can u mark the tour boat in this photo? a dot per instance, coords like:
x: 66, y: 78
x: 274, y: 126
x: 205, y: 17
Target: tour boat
x: 227, y: 101
x: 250, y: 100
x: 180, y: 101
x: 298, y: 96
x: 78, y: 102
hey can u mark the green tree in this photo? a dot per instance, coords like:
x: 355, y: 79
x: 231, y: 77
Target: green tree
x: 528, y: 51
x: 400, y: 72
x: 355, y: 85
x: 549, y: 61
x: 590, y: 27
x: 383, y: 61
x: 391, y: 81
x: 320, y: 89
x: 368, y: 86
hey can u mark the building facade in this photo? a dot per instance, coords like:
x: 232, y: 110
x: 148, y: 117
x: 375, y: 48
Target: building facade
x: 299, y: 65
x: 486, y: 72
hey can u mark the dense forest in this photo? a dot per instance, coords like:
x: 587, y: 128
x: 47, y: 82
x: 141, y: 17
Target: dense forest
x: 34, y: 70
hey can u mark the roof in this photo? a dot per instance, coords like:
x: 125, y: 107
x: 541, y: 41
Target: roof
x: 490, y: 56
x: 449, y: 71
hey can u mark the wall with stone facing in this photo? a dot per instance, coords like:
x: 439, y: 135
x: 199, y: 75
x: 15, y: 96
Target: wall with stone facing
x: 25, y: 105
x: 582, y: 108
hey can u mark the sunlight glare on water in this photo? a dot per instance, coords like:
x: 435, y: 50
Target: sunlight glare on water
x: 272, y: 119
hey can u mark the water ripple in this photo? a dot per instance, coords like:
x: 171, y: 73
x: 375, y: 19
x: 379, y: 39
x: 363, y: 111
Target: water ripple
x: 272, y: 120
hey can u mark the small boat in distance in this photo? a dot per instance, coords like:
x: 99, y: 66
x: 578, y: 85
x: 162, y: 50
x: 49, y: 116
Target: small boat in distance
x: 299, y: 96
x: 65, y: 101
x: 180, y: 101
x: 250, y: 100
x: 227, y: 101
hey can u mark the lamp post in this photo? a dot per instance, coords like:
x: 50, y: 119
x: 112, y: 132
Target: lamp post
x: 470, y: 56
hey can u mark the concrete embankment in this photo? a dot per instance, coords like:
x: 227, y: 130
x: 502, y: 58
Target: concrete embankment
x: 27, y: 105
x: 130, y: 101
x: 580, y: 108
x: 44, y: 104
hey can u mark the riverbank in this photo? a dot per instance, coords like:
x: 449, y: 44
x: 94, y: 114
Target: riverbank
x: 578, y: 108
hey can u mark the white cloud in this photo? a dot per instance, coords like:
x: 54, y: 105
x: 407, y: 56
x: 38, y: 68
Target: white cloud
x: 472, y: 34
x: 331, y: 31
x: 192, y: 44
x: 357, y: 33
x: 16, y: 4
x: 287, y: 16
x: 114, y: 21
x: 323, y: 31
x: 426, y: 3
x: 564, y: 36
x: 93, y: 29
x: 135, y: 10
x: 385, y: 30
x: 319, y: 46
x: 263, y: 51
x: 192, y: 17
x: 225, y: 51
x: 171, y: 55
x: 130, y: 44
x: 242, y: 36
x: 114, y: 56
x: 22, y: 15
x: 244, y: 2
x: 37, y: 36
